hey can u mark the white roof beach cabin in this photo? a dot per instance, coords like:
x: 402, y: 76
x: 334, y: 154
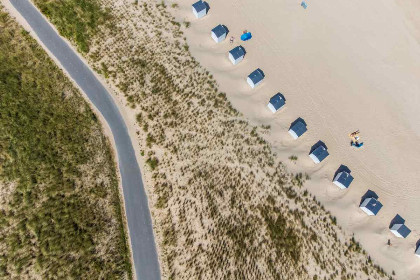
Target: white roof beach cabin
x: 236, y: 54
x: 219, y: 33
x: 199, y: 9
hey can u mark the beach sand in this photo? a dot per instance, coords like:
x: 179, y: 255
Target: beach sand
x: 342, y: 66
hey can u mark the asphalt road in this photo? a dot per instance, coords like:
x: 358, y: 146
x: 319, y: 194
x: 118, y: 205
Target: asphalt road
x: 137, y: 210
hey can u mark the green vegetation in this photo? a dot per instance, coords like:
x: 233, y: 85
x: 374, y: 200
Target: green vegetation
x: 60, y: 207
x: 77, y: 20
x: 286, y: 240
x: 293, y: 158
x: 152, y: 162
x: 187, y: 24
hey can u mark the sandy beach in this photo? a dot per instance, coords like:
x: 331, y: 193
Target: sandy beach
x: 223, y: 205
x: 341, y: 66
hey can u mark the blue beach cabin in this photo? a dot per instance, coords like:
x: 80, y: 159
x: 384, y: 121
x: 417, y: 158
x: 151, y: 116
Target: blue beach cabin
x: 276, y: 102
x: 343, y: 180
x: 219, y: 33
x: 319, y: 154
x: 297, y: 129
x: 236, y: 54
x: 371, y: 206
x: 400, y: 230
x: 199, y: 9
x: 255, y: 78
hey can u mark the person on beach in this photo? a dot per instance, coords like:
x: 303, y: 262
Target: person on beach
x: 232, y: 39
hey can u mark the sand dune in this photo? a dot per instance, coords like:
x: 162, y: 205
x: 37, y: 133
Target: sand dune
x: 342, y: 66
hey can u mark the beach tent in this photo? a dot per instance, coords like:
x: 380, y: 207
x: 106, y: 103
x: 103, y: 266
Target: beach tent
x: 219, y: 33
x: 297, y: 128
x: 255, y: 78
x: 343, y: 180
x: 418, y: 251
x: 276, y: 102
x: 304, y: 5
x: 400, y: 230
x: 246, y: 36
x: 371, y: 206
x: 319, y: 154
x: 236, y: 54
x: 199, y: 9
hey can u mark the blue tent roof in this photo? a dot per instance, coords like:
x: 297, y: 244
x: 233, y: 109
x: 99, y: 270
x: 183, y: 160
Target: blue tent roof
x: 237, y: 52
x: 373, y: 205
x: 277, y: 101
x: 257, y: 76
x: 246, y: 36
x: 345, y: 179
x: 219, y: 30
x: 403, y: 230
x: 321, y: 153
x: 299, y: 127
x: 199, y: 6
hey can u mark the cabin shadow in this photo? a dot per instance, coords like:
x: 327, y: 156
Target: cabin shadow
x: 368, y: 194
x: 396, y: 220
x: 261, y: 71
x: 341, y: 169
x: 207, y: 6
x: 243, y: 49
x: 417, y: 245
x: 318, y: 144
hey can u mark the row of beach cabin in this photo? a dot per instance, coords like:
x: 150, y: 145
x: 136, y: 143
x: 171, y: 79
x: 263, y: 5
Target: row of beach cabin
x: 370, y: 205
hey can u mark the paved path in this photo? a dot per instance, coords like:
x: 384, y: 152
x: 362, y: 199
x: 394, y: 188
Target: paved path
x: 138, y: 214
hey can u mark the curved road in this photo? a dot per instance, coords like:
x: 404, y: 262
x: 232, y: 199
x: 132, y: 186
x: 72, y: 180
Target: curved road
x: 136, y: 206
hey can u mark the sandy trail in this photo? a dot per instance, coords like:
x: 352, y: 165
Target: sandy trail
x: 342, y: 66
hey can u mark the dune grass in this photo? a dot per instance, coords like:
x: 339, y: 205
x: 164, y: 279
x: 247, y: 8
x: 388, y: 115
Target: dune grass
x: 60, y: 211
x: 75, y: 19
